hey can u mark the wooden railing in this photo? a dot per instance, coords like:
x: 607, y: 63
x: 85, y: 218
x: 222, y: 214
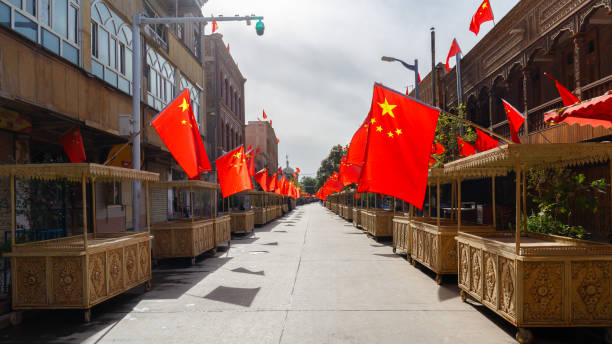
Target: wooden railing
x: 597, y: 88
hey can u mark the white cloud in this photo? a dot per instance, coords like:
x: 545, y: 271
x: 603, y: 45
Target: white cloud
x: 314, y: 68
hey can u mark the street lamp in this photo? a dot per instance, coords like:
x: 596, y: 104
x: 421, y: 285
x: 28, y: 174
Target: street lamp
x: 413, y: 67
x: 139, y: 20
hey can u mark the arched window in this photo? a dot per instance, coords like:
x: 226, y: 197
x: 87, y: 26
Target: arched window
x: 161, y: 83
x: 111, y: 47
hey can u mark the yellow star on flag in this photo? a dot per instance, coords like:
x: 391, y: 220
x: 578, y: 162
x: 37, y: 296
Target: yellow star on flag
x: 387, y: 108
x: 379, y: 128
x: 183, y: 122
x: 184, y: 106
x: 390, y: 134
x: 484, y: 5
x: 373, y: 120
x: 398, y: 131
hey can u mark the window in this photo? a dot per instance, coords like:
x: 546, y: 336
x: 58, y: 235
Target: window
x: 111, y: 47
x: 161, y: 84
x: 45, y: 22
x: 195, y: 98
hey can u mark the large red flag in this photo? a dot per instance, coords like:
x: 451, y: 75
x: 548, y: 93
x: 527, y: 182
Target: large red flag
x: 280, y: 184
x: 178, y: 129
x: 272, y: 183
x: 262, y: 178
x: 454, y: 50
x: 232, y: 172
x: 515, y: 121
x: 250, y: 156
x: 399, y: 145
x: 465, y: 148
x: 567, y: 97
x: 482, y: 15
x: 484, y: 142
x: 72, y: 141
x: 334, y: 183
x: 348, y: 173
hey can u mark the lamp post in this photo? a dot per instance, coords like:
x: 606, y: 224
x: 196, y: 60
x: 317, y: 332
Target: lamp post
x: 139, y: 20
x: 413, y: 67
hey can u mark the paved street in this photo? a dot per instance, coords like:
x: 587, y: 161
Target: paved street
x: 309, y: 277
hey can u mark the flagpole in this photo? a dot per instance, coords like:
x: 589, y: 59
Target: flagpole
x: 109, y: 160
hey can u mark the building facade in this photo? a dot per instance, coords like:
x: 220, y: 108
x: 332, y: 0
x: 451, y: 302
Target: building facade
x: 571, y: 40
x: 260, y: 134
x: 67, y: 63
x: 225, y: 100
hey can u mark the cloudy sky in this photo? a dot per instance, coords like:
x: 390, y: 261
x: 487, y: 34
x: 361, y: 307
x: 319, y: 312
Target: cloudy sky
x: 314, y: 69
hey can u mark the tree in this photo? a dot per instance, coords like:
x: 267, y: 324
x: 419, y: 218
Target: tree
x: 309, y: 184
x: 330, y: 164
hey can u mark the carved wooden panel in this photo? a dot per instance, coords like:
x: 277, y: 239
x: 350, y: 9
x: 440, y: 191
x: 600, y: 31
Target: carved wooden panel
x: 162, y: 245
x: 476, y: 271
x: 591, y: 294
x: 490, y: 278
x: 30, y: 278
x: 464, y: 265
x: 182, y: 242
x: 115, y: 270
x: 507, y: 287
x: 449, y: 253
x: 435, y: 252
x: 131, y: 264
x: 97, y: 276
x: 144, y: 260
x: 543, y: 292
x: 67, y: 280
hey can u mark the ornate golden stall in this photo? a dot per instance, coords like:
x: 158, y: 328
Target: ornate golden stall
x: 432, y: 240
x: 529, y: 279
x: 378, y: 222
x: 79, y: 271
x: 243, y: 220
x: 192, y: 235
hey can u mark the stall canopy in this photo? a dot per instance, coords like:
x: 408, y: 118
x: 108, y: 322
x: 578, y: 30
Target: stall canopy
x: 75, y: 172
x: 594, y: 112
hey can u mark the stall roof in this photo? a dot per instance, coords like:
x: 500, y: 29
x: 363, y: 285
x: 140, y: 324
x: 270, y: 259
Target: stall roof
x: 74, y: 172
x: 549, y: 155
x: 445, y: 176
x: 186, y: 184
x: 594, y: 112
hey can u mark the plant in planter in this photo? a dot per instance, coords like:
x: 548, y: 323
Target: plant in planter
x: 558, y: 194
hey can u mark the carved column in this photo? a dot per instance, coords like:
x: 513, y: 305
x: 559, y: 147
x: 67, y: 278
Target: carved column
x: 526, y: 78
x: 579, y: 63
x: 491, y: 100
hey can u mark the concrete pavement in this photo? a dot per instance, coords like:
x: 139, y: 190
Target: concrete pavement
x: 309, y: 277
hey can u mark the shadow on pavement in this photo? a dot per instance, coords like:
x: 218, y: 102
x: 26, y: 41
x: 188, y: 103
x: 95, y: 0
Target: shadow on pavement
x: 247, y: 271
x: 236, y: 296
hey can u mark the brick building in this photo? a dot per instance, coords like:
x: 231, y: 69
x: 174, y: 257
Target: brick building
x: 225, y: 100
x: 260, y: 134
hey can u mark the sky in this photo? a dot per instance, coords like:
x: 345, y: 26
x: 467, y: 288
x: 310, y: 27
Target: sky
x: 314, y: 68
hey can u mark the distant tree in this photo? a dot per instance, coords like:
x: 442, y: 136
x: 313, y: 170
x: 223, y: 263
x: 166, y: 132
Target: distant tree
x: 309, y: 184
x: 330, y: 164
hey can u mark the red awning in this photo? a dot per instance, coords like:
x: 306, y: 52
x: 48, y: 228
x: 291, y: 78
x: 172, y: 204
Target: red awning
x: 594, y: 112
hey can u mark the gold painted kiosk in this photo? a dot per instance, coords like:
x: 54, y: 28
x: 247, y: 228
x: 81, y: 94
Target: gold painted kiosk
x: 192, y: 235
x: 243, y: 219
x: 532, y: 279
x: 79, y: 271
x: 376, y: 220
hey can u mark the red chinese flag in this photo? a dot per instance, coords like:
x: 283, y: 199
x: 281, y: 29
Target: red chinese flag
x: 465, y: 148
x: 72, y: 141
x: 272, y: 183
x: 277, y: 140
x: 437, y: 148
x: 419, y: 77
x: 454, y: 50
x: 515, y: 121
x: 228, y: 47
x: 262, y: 178
x: 215, y: 26
x: 567, y: 97
x: 399, y: 145
x: 297, y: 169
x: 484, y: 142
x: 279, y: 185
x: 482, y: 15
x: 348, y: 173
x: 232, y: 172
x: 356, y: 151
x: 250, y: 156
x: 178, y: 129
x: 264, y: 115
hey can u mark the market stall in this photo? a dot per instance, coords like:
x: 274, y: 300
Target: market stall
x: 81, y: 270
x: 377, y: 218
x: 432, y: 240
x: 529, y: 279
x: 356, y: 216
x: 401, y: 229
x: 241, y: 213
x: 346, y: 207
x: 223, y: 223
x: 190, y: 231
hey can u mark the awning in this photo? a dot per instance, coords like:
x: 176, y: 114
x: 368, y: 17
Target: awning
x: 594, y: 112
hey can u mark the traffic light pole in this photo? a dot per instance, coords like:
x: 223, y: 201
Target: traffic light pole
x: 137, y: 21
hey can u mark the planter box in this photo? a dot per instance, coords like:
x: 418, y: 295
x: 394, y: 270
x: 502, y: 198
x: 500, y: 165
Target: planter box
x: 379, y: 223
x: 243, y: 222
x: 401, y: 234
x: 356, y: 217
x: 223, y: 231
